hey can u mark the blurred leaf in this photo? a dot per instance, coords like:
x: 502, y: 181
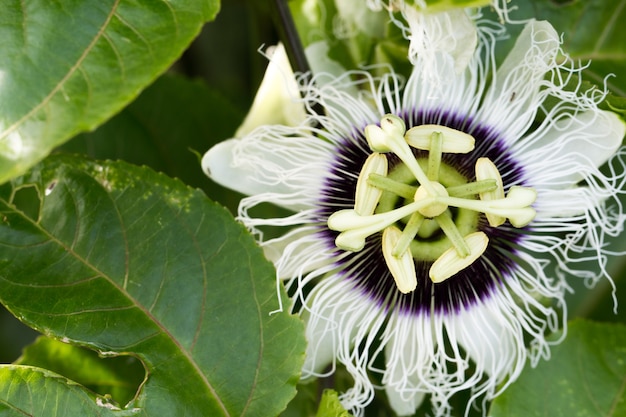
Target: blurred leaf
x: 65, y: 67
x: 443, y: 5
x: 119, y: 377
x: 127, y: 261
x: 585, y: 376
x: 330, y: 406
x: 27, y: 391
x: 162, y: 128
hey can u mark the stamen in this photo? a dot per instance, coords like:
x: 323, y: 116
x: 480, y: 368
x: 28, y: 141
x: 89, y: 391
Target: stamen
x: 449, y: 228
x: 434, y: 156
x: 449, y: 263
x: 515, y: 206
x: 395, y: 187
x: 425, y: 206
x: 408, y: 234
x: 402, y: 267
x: 485, y: 169
x: 389, y: 137
x: 367, y: 196
x: 355, y: 229
x: 472, y: 188
x: 454, y: 141
x: 378, y: 137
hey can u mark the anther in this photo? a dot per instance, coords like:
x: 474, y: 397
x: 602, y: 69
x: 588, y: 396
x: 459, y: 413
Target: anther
x: 367, y: 196
x: 388, y: 137
x: 454, y: 141
x: 379, y: 137
x: 485, y: 169
x: 449, y: 263
x: 402, y: 267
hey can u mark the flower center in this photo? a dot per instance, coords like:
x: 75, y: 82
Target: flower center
x: 425, y: 209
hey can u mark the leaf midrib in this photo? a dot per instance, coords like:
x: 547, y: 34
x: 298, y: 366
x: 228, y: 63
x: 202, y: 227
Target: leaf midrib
x: 151, y: 317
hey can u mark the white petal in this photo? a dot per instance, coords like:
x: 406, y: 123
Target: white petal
x: 401, y: 380
x: 299, y: 252
x: 273, y: 159
x: 512, y: 102
x: 399, y: 403
x: 492, y: 338
x: 572, y: 148
x: 340, y: 318
x: 277, y: 100
x: 452, y: 32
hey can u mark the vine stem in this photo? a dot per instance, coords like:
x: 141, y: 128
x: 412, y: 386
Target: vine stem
x: 288, y: 34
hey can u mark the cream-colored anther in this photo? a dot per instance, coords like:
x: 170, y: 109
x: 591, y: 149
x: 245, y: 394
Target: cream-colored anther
x: 367, y: 196
x: 402, y: 267
x: 379, y: 137
x: 454, y: 141
x: 486, y: 170
x: 434, y: 208
x: 449, y: 263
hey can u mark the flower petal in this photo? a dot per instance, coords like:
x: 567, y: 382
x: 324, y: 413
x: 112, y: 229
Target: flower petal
x: 512, y: 102
x: 277, y: 100
x: 452, y: 32
x: 298, y: 252
x: 273, y: 159
x: 570, y: 149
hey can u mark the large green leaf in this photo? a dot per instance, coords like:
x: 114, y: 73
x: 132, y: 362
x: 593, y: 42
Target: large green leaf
x: 173, y: 118
x: 127, y: 261
x: 65, y: 67
x: 586, y: 376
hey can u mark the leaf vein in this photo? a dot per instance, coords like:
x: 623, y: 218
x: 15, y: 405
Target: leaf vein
x: 70, y: 73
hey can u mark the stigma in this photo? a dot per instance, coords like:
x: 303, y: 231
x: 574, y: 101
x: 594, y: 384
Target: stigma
x: 427, y: 203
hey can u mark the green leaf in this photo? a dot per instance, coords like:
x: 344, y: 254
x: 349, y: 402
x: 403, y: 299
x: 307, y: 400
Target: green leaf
x: 585, y: 376
x: 65, y: 67
x: 118, y: 377
x: 124, y: 260
x: 27, y: 391
x: 330, y: 405
x: 162, y: 128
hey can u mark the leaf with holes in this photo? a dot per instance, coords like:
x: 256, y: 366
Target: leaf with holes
x: 66, y: 67
x: 123, y: 260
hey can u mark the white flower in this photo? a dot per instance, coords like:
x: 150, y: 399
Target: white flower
x: 478, y: 195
